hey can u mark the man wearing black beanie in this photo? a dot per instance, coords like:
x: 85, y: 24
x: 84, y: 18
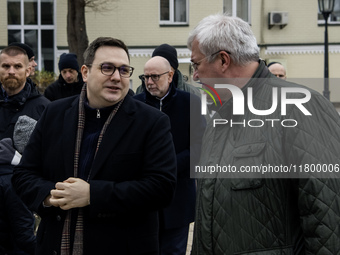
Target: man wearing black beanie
x: 70, y: 80
x: 186, y: 124
x: 30, y: 54
x: 170, y: 53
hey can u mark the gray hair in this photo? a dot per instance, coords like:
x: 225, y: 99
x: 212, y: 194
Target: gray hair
x: 223, y: 32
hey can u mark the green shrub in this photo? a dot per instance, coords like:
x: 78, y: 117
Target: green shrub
x: 43, y: 79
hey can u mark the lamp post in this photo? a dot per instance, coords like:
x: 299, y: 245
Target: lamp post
x: 326, y: 8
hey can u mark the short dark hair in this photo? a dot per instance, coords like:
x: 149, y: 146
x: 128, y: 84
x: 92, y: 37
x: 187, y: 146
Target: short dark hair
x: 99, y: 42
x: 24, y: 46
x: 14, y: 51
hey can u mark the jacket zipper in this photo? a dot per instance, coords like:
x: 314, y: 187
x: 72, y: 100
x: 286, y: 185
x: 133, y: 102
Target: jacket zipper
x: 98, y: 114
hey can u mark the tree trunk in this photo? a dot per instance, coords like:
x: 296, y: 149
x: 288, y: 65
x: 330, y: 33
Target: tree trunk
x: 76, y: 29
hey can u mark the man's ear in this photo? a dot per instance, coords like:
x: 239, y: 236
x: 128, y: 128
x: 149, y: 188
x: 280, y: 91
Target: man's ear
x: 171, y: 75
x: 225, y: 59
x: 84, y: 72
x: 28, y: 71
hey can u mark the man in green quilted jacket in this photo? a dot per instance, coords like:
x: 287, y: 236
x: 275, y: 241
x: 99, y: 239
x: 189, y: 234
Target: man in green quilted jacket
x: 269, y: 168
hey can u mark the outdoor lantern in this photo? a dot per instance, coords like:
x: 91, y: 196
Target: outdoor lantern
x: 326, y: 8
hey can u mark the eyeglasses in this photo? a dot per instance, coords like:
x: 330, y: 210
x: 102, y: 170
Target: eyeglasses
x: 154, y: 77
x: 195, y: 65
x: 109, y: 69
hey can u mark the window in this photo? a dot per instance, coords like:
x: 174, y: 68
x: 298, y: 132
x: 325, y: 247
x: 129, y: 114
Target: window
x: 334, y: 17
x: 173, y: 12
x: 32, y: 22
x: 238, y: 8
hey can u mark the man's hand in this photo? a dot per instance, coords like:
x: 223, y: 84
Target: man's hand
x: 72, y: 193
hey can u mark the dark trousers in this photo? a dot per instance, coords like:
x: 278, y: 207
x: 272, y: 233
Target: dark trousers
x: 174, y: 241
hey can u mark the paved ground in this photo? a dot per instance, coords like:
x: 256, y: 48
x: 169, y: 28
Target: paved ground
x: 191, y: 229
x: 190, y: 238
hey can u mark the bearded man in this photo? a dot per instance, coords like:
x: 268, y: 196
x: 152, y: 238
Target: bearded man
x: 18, y: 95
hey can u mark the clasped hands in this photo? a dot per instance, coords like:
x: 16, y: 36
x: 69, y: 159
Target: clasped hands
x: 71, y: 193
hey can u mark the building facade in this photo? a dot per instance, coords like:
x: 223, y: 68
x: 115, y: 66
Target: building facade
x: 290, y: 31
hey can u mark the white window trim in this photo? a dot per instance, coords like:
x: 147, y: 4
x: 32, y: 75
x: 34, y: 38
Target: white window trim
x: 329, y: 22
x: 234, y: 10
x: 171, y: 14
x: 37, y: 27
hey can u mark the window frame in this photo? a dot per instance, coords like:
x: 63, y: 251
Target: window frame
x: 234, y: 9
x: 172, y: 21
x: 39, y: 28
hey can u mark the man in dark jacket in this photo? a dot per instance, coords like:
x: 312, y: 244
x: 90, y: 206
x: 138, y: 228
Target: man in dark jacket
x: 70, y: 80
x: 99, y: 166
x: 269, y: 169
x: 180, y: 106
x: 16, y: 221
x: 170, y: 53
x: 18, y: 95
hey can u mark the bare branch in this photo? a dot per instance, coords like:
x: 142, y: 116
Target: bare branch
x: 100, y: 5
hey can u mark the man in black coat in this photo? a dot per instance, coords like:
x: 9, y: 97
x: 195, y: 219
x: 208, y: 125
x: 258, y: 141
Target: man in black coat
x: 70, y: 80
x: 187, y: 127
x: 18, y: 95
x: 178, y: 80
x: 99, y: 166
x: 16, y: 220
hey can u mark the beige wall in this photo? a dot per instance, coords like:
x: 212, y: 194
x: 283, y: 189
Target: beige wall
x: 139, y: 28
x: 138, y: 64
x: 302, y: 62
x: 307, y: 65
x: 302, y: 27
x: 3, y: 23
x: 61, y: 23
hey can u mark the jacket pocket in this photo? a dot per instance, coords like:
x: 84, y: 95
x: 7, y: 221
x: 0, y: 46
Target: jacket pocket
x: 247, y: 159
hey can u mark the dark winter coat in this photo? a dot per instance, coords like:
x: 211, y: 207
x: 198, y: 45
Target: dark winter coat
x: 257, y: 215
x: 133, y: 176
x: 28, y: 102
x: 60, y: 89
x: 187, y: 123
x: 16, y: 221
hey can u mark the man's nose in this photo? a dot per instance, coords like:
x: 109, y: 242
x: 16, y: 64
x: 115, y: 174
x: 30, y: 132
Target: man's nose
x: 115, y: 75
x: 11, y: 70
x: 148, y: 80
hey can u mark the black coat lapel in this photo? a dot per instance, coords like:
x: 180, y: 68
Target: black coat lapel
x: 69, y: 136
